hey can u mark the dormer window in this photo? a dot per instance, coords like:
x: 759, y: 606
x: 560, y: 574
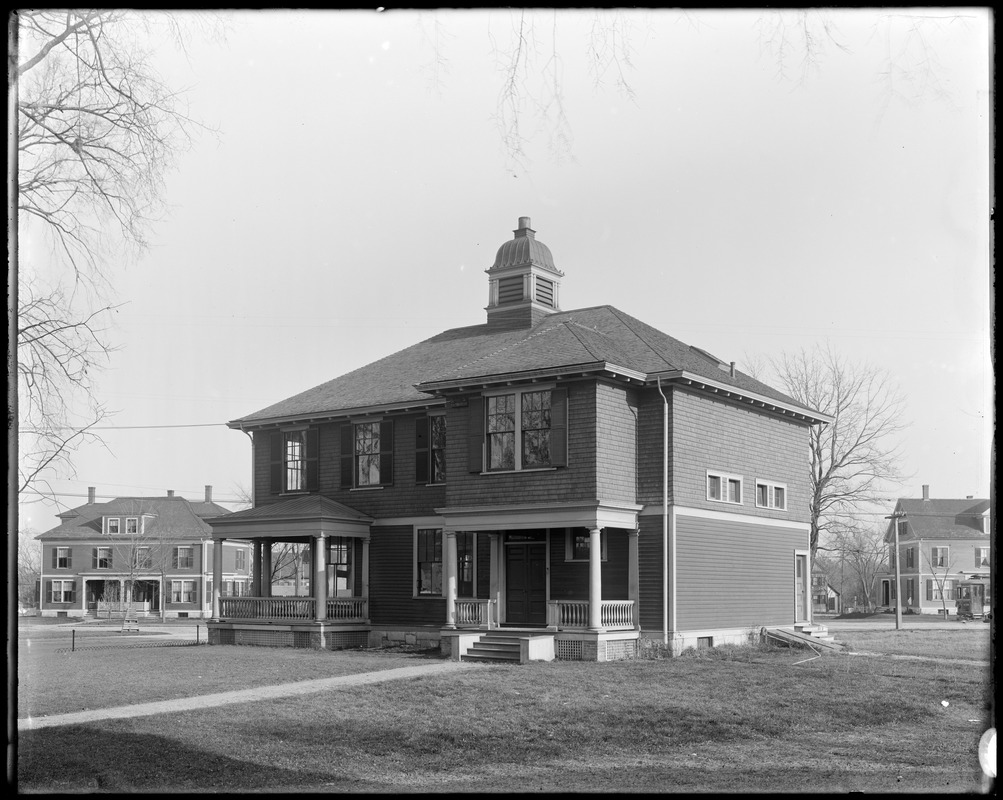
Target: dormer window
x: 113, y: 525
x: 132, y: 525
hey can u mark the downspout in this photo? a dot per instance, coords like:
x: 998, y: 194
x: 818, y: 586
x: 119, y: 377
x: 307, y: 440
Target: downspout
x: 665, y: 515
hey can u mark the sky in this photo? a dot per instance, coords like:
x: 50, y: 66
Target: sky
x: 692, y: 169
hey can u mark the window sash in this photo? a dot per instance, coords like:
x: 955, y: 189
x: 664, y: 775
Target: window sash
x: 724, y: 488
x: 61, y: 591
x: 103, y: 558
x: 184, y: 557
x: 437, y: 448
x: 939, y: 556
x: 63, y: 558
x: 295, y: 460
x: 114, y: 524
x: 982, y: 556
x: 143, y: 558
x: 132, y: 525
x: 429, y: 562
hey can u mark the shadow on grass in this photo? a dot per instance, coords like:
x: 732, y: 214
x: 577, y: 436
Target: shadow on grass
x: 83, y: 758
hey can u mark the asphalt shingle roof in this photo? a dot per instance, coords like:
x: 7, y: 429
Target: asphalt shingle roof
x: 944, y: 519
x: 176, y: 515
x: 588, y: 336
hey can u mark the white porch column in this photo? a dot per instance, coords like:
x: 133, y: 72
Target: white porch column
x: 633, y: 577
x: 494, y: 588
x: 256, y: 569
x: 595, y: 579
x: 266, y: 568
x: 217, y: 576
x: 83, y: 597
x: 450, y: 558
x: 320, y: 576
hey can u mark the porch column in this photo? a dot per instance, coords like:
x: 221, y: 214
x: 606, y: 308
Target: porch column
x: 495, y: 584
x: 633, y: 579
x: 256, y: 570
x: 320, y: 575
x: 217, y: 576
x: 266, y: 568
x: 595, y: 579
x: 450, y: 558
x: 83, y: 597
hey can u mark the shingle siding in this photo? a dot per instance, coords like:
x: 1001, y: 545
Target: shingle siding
x: 616, y: 438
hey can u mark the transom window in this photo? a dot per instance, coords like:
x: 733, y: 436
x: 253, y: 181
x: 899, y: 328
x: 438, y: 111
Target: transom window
x: 771, y: 495
x: 184, y: 557
x: 724, y: 488
x: 940, y: 557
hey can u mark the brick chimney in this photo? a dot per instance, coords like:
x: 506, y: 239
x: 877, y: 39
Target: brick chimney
x: 170, y: 493
x: 92, y: 494
x: 208, y: 493
x: 926, y: 491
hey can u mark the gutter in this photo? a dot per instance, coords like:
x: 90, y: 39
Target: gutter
x: 665, y: 516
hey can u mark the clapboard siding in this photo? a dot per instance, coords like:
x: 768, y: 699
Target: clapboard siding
x: 569, y: 580
x: 391, y: 581
x: 649, y: 572
x: 733, y: 573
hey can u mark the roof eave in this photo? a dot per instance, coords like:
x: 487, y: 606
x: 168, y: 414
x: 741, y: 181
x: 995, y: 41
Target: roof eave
x: 583, y: 370
x: 252, y: 423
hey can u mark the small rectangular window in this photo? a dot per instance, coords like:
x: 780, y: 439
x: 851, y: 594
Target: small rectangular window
x: 724, y: 488
x: 982, y: 556
x: 114, y: 524
x: 63, y: 558
x: 132, y: 525
x: 771, y: 495
x: 579, y: 544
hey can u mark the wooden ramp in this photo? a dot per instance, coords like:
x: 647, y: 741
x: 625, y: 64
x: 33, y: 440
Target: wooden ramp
x: 815, y: 637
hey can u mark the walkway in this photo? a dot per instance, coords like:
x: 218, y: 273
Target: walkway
x: 241, y: 696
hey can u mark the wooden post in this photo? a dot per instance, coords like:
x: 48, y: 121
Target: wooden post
x: 595, y: 579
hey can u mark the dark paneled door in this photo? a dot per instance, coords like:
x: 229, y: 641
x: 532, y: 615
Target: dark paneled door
x: 526, y: 583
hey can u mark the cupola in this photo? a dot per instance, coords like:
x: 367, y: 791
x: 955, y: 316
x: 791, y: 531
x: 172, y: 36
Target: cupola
x: 523, y: 282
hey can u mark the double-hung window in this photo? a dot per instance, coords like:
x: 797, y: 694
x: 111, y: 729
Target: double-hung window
x: 184, y: 557
x: 464, y: 564
x: 428, y: 562
x: 771, y: 495
x: 183, y: 592
x: 940, y: 557
x: 240, y: 560
x: 430, y: 449
x: 517, y: 430
x: 940, y: 590
x: 340, y: 563
x: 62, y: 592
x: 101, y: 558
x: 910, y: 557
x: 724, y: 488
x: 142, y: 558
x: 114, y: 525
x: 367, y: 458
x: 293, y: 460
x: 132, y: 525
x: 62, y: 558
x: 981, y: 556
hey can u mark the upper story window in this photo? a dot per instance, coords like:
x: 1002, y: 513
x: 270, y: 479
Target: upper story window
x: 910, y: 557
x: 525, y: 429
x: 293, y: 460
x: 940, y: 556
x: 143, y: 559
x: 240, y: 560
x: 113, y: 525
x: 430, y: 449
x: 132, y: 525
x: 367, y: 458
x: 101, y: 558
x: 771, y: 495
x: 982, y: 556
x: 183, y: 558
x: 723, y: 488
x: 62, y: 558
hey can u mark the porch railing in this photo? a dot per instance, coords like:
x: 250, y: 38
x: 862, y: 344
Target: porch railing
x: 347, y: 609
x: 339, y: 609
x: 615, y: 614
x: 480, y: 613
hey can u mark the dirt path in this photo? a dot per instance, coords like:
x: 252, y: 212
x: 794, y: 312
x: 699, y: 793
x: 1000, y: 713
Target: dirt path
x: 242, y: 695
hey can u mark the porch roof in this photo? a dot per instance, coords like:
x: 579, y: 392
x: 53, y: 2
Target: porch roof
x: 308, y: 515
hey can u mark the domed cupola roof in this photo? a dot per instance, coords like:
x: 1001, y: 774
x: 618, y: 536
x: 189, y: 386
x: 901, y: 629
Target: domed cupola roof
x: 524, y: 250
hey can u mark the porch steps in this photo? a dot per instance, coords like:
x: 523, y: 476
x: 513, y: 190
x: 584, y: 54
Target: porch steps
x: 814, y: 631
x: 494, y: 647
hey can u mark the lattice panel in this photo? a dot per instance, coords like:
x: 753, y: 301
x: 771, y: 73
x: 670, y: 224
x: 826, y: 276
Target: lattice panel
x: 337, y: 641
x: 566, y: 650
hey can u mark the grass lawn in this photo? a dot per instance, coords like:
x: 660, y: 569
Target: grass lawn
x: 972, y: 643
x: 723, y: 720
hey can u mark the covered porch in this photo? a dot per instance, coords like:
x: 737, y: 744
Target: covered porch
x: 546, y: 576
x: 329, y: 604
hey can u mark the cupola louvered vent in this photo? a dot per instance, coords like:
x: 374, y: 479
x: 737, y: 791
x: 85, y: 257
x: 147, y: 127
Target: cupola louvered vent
x: 545, y: 292
x: 524, y: 283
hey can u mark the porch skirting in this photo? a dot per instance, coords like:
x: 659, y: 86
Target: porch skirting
x: 307, y: 634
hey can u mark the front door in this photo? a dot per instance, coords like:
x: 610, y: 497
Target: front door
x: 526, y: 583
x: 800, y: 588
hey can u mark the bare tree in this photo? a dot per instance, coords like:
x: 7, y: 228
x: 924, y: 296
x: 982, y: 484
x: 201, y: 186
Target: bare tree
x: 941, y: 580
x: 862, y: 556
x: 97, y: 132
x: 854, y: 458
x: 29, y: 568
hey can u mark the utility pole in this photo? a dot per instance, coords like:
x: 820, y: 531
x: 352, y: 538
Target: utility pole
x: 898, y: 575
